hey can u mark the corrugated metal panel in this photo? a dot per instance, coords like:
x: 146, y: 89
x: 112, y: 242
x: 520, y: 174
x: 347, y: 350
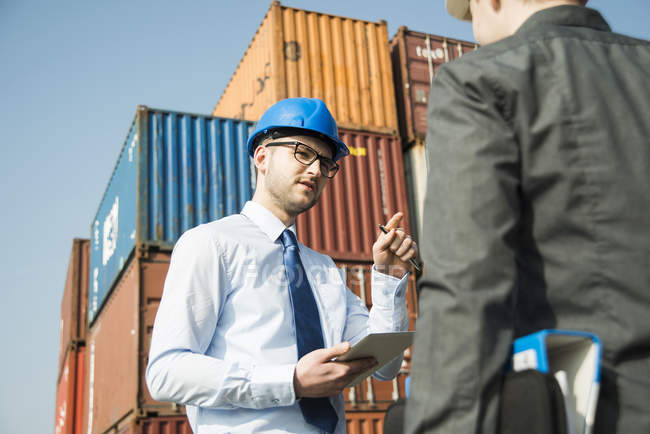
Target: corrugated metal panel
x: 175, y: 171
x: 69, y: 394
x: 365, y: 422
x: 416, y: 57
x: 298, y: 53
x: 119, y: 342
x: 368, y: 190
x: 74, y: 302
x: 154, y: 425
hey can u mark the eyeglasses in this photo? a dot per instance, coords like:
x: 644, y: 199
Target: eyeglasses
x: 307, y: 155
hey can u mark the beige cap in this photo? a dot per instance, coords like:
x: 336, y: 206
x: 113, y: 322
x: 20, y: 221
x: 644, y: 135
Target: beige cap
x: 459, y: 9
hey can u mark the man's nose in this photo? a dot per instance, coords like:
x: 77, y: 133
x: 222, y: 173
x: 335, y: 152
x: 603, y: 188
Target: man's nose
x: 315, y: 167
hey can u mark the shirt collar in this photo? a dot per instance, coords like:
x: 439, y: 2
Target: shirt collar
x: 265, y: 220
x: 566, y: 15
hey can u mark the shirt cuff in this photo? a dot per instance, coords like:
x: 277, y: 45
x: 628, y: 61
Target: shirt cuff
x: 387, y: 290
x: 272, y: 385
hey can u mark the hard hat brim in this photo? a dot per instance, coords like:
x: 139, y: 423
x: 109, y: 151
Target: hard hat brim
x: 340, y: 149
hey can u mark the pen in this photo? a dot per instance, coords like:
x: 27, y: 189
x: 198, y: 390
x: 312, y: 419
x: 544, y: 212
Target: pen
x: 412, y: 261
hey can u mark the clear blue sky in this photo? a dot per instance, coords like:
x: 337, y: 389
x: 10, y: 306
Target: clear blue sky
x: 72, y: 74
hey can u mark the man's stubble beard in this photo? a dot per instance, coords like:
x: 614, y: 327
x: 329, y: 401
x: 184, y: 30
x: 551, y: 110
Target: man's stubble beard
x: 283, y: 199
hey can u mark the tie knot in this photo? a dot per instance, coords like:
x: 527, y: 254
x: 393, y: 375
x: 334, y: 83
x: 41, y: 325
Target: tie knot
x: 288, y: 239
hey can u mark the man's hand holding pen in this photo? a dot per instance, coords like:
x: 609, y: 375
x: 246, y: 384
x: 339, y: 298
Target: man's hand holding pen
x: 394, y: 250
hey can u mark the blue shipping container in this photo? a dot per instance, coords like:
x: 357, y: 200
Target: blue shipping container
x: 175, y: 171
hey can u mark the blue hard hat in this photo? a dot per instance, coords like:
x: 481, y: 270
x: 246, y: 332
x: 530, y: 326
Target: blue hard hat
x: 308, y: 116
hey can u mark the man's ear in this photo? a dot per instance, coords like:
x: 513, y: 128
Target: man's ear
x: 260, y: 158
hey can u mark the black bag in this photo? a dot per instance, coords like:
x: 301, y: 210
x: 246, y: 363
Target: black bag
x: 531, y: 403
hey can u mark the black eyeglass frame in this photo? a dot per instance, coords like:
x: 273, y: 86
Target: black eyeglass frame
x: 318, y: 156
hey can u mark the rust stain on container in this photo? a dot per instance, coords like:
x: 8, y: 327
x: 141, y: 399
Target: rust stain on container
x: 367, y: 191
x: 299, y: 53
x: 416, y: 58
x: 74, y: 303
x: 119, y: 342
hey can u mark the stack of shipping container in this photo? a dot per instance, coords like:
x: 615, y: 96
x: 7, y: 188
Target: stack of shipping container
x: 416, y: 58
x: 68, y: 416
x: 178, y: 170
x: 175, y: 171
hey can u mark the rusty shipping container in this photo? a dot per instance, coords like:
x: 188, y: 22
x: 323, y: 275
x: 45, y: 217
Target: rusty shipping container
x: 298, y: 53
x: 365, y: 422
x: 74, y: 301
x: 118, y: 347
x: 153, y: 425
x: 415, y: 58
x: 368, y: 190
x: 358, y: 422
x: 175, y: 171
x: 68, y: 416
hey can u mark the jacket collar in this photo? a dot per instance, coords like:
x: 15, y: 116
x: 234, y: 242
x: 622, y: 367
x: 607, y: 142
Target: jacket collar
x: 566, y: 15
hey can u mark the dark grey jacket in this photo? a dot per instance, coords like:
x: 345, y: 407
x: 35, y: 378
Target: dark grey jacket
x: 537, y: 215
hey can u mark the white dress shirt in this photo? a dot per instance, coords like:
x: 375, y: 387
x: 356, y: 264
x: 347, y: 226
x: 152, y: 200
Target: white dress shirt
x: 224, y: 342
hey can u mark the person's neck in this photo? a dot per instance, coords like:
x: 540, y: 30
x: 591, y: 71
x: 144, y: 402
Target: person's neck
x: 278, y: 211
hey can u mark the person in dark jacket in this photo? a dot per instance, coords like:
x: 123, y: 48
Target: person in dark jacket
x: 537, y: 209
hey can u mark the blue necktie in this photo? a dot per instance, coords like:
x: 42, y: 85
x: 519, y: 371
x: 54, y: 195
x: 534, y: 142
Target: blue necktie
x: 309, y: 335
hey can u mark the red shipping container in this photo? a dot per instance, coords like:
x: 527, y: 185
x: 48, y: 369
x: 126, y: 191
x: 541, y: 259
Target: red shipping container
x: 358, y: 422
x: 68, y: 418
x: 75, y: 300
x: 365, y: 422
x: 119, y: 341
x: 118, y: 346
x: 416, y: 57
x: 368, y: 190
x: 153, y: 425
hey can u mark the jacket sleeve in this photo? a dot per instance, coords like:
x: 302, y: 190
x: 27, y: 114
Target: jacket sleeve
x: 471, y: 211
x: 178, y: 369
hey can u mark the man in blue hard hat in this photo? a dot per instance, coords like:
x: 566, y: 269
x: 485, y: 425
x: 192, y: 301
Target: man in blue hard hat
x: 538, y: 206
x: 250, y: 319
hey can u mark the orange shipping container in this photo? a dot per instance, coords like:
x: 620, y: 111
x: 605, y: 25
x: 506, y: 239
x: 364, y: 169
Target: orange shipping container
x: 69, y: 394
x: 416, y: 57
x: 75, y: 300
x: 368, y: 190
x: 298, y: 53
